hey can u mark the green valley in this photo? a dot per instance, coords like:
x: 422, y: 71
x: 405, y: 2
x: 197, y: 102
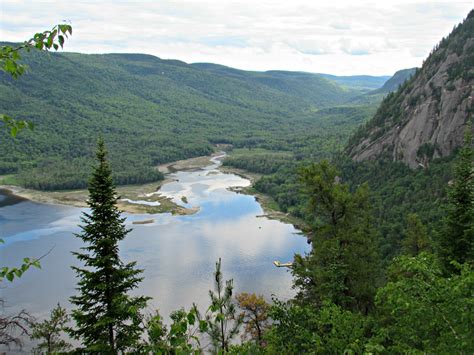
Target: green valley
x: 152, y: 111
x: 341, y: 206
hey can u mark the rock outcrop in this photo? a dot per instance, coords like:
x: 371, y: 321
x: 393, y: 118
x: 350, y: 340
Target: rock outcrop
x: 426, y: 117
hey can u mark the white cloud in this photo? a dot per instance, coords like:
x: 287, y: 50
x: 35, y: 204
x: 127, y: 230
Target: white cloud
x: 340, y: 37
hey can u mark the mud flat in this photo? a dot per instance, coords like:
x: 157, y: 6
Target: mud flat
x: 148, y: 194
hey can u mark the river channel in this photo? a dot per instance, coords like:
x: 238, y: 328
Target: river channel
x: 177, y: 253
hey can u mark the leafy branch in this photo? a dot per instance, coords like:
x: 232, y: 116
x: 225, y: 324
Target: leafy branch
x: 10, y: 273
x: 9, y: 63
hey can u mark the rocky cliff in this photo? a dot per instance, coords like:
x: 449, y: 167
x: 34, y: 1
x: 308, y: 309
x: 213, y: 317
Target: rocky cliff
x: 426, y: 117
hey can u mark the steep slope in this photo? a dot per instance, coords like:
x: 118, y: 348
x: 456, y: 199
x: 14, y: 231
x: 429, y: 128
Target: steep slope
x: 426, y: 117
x: 395, y: 81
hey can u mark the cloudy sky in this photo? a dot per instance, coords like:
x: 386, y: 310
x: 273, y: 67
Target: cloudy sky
x: 331, y: 36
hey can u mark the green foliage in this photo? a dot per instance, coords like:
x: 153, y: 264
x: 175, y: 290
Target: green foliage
x: 156, y: 332
x: 107, y: 318
x: 416, y: 236
x: 396, y: 106
x: 53, y: 39
x: 9, y: 63
x: 221, y: 317
x: 397, y: 191
x: 181, y: 337
x: 14, y: 125
x: 323, y: 137
x: 246, y: 348
x: 419, y: 310
x: 167, y: 111
x: 456, y: 240
x: 396, y: 80
x: 266, y: 163
x: 10, y: 273
x: 343, y: 265
x: 426, y: 150
x: 303, y: 329
x: 50, y: 331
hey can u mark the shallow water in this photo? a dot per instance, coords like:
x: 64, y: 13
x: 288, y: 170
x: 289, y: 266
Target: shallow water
x: 177, y: 253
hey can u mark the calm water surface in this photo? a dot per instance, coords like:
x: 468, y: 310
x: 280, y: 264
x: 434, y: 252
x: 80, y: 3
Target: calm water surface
x: 178, y: 253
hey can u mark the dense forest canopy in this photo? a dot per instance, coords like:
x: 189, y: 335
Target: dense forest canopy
x: 390, y: 265
x: 151, y: 111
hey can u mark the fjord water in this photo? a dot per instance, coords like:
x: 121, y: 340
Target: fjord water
x: 177, y: 253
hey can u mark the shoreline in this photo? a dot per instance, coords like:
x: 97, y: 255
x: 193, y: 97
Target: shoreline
x: 157, y: 203
x: 269, y: 206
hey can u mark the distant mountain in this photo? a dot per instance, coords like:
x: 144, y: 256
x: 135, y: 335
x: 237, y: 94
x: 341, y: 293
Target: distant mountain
x: 314, y: 89
x: 358, y: 82
x: 150, y: 111
x: 374, y: 97
x: 395, y: 81
x: 426, y: 117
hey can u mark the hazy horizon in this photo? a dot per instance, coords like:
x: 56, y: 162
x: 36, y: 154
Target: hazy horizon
x: 340, y: 38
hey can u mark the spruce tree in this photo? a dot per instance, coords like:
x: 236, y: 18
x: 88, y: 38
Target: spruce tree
x: 108, y: 320
x: 416, y: 236
x: 456, y: 240
x: 343, y: 265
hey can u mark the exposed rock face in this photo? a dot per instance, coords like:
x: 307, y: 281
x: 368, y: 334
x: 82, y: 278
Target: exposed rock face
x: 427, y: 116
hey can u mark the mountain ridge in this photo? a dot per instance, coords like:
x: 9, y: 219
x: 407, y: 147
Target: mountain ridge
x: 395, y: 81
x: 426, y: 117
x: 150, y: 111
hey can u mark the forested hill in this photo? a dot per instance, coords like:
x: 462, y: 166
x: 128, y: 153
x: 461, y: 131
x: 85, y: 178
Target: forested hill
x: 395, y: 81
x: 150, y: 111
x: 361, y: 82
x: 312, y: 89
x: 427, y: 116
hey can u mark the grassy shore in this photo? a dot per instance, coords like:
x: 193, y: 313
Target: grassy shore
x: 150, y: 193
x: 143, y: 192
x: 270, y: 207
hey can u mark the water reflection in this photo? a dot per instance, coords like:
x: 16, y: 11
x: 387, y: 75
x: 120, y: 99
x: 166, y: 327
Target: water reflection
x: 178, y: 253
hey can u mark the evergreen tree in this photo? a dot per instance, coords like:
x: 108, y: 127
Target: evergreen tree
x: 49, y: 331
x: 456, y: 240
x: 223, y: 323
x: 343, y: 265
x: 416, y: 237
x: 108, y: 320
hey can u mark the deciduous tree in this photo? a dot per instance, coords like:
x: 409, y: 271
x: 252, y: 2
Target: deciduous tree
x: 255, y: 315
x: 182, y: 336
x: 9, y: 63
x: 421, y: 310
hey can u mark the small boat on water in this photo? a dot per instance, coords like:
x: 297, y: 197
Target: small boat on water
x: 279, y: 264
